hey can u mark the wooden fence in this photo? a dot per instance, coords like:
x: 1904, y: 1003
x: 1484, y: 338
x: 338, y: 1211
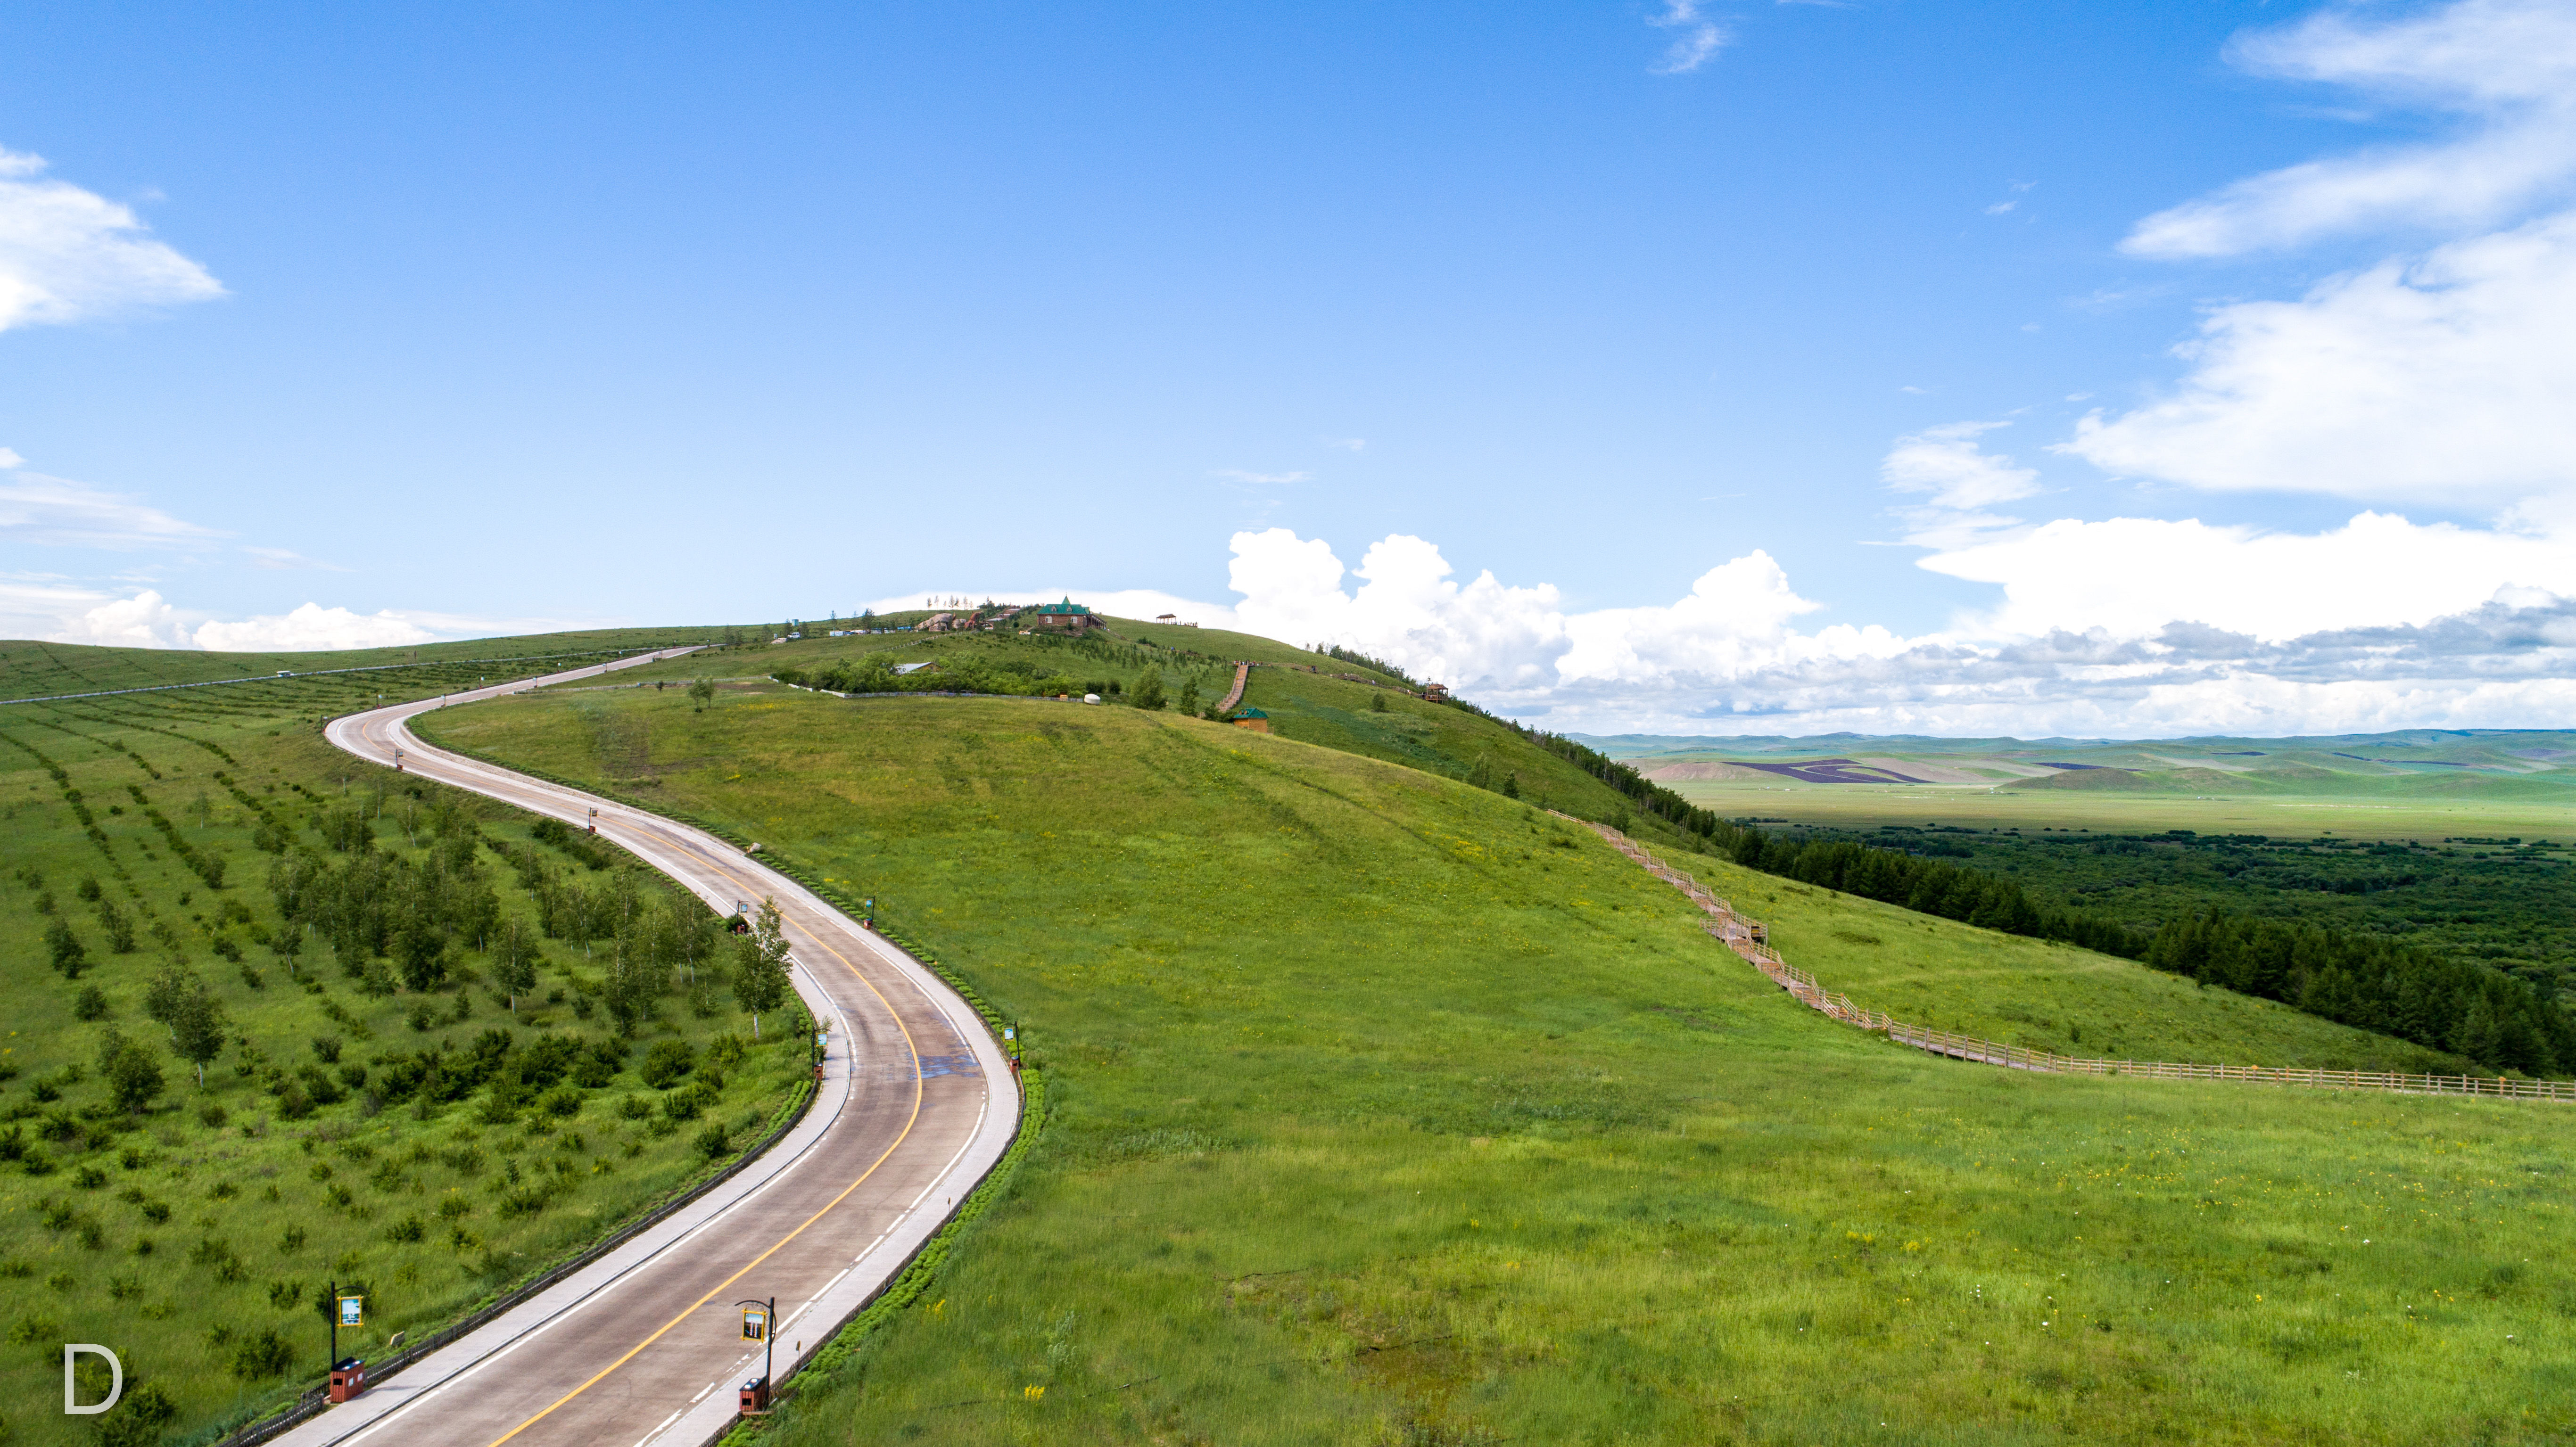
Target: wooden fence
x: 1747, y: 938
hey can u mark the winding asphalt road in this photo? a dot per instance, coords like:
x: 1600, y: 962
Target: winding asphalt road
x: 645, y: 1346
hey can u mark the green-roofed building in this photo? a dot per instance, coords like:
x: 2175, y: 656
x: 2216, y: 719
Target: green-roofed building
x: 1070, y: 616
x: 1250, y: 718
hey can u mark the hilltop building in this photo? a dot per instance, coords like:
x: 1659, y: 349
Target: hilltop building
x: 1251, y: 718
x: 1067, y: 616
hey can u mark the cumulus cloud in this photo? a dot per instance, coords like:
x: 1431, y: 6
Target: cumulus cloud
x: 1405, y: 604
x: 58, y: 512
x: 2504, y: 69
x: 308, y: 628
x: 67, y: 254
x: 1728, y: 656
x: 145, y: 620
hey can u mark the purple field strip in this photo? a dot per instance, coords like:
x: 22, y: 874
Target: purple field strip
x: 1832, y: 771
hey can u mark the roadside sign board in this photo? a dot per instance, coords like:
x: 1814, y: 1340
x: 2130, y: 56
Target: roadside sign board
x: 353, y: 1311
x: 755, y: 1325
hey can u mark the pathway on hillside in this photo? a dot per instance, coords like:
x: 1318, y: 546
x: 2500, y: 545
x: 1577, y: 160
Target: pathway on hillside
x: 644, y: 1346
x: 1747, y: 938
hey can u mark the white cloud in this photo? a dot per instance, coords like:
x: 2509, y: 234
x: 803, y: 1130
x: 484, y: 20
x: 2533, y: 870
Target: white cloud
x: 2447, y: 378
x: 1700, y: 40
x: 67, y: 255
x: 1405, y: 607
x: 1261, y: 479
x: 145, y: 620
x: 10, y: 459
x: 307, y: 628
x: 1959, y: 479
x: 1349, y: 444
x: 2506, y: 67
x: 2130, y: 577
x: 1945, y: 462
x: 1728, y: 658
x: 57, y: 512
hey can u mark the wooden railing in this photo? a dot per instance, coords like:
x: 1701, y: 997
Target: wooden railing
x: 1747, y: 938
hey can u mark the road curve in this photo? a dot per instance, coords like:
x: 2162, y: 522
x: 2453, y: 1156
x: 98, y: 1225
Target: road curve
x: 644, y: 1346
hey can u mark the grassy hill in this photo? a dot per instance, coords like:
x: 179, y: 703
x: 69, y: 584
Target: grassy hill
x: 193, y: 1234
x: 31, y: 669
x: 1930, y: 971
x: 1387, y: 1109
x: 1308, y: 696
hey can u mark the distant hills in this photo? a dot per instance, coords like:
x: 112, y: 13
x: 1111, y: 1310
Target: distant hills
x: 2301, y: 764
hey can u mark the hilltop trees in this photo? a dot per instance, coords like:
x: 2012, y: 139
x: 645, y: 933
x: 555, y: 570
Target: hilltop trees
x: 1148, y: 692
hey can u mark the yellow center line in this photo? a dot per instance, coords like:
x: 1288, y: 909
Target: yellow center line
x: 712, y: 1291
x: 910, y: 1046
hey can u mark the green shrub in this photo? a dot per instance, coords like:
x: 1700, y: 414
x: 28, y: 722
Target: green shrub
x: 263, y: 1354
x: 667, y: 1063
x: 713, y: 1142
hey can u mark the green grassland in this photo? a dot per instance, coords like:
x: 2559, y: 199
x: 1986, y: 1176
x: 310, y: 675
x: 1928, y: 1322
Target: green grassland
x: 32, y: 669
x: 1305, y: 694
x: 1935, y: 972
x: 1385, y: 1109
x: 193, y: 1234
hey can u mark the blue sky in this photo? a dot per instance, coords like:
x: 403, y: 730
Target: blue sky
x: 1748, y: 348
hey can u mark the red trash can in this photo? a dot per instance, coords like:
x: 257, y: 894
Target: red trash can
x: 348, y: 1378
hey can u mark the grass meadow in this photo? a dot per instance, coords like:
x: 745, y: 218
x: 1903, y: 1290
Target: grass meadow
x: 1387, y: 1110
x: 194, y: 1237
x: 1936, y: 972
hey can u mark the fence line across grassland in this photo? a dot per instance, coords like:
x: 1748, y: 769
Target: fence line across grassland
x: 1746, y: 938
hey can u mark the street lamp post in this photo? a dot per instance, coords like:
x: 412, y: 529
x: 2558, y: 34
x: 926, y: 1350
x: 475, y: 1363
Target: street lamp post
x: 762, y: 1327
